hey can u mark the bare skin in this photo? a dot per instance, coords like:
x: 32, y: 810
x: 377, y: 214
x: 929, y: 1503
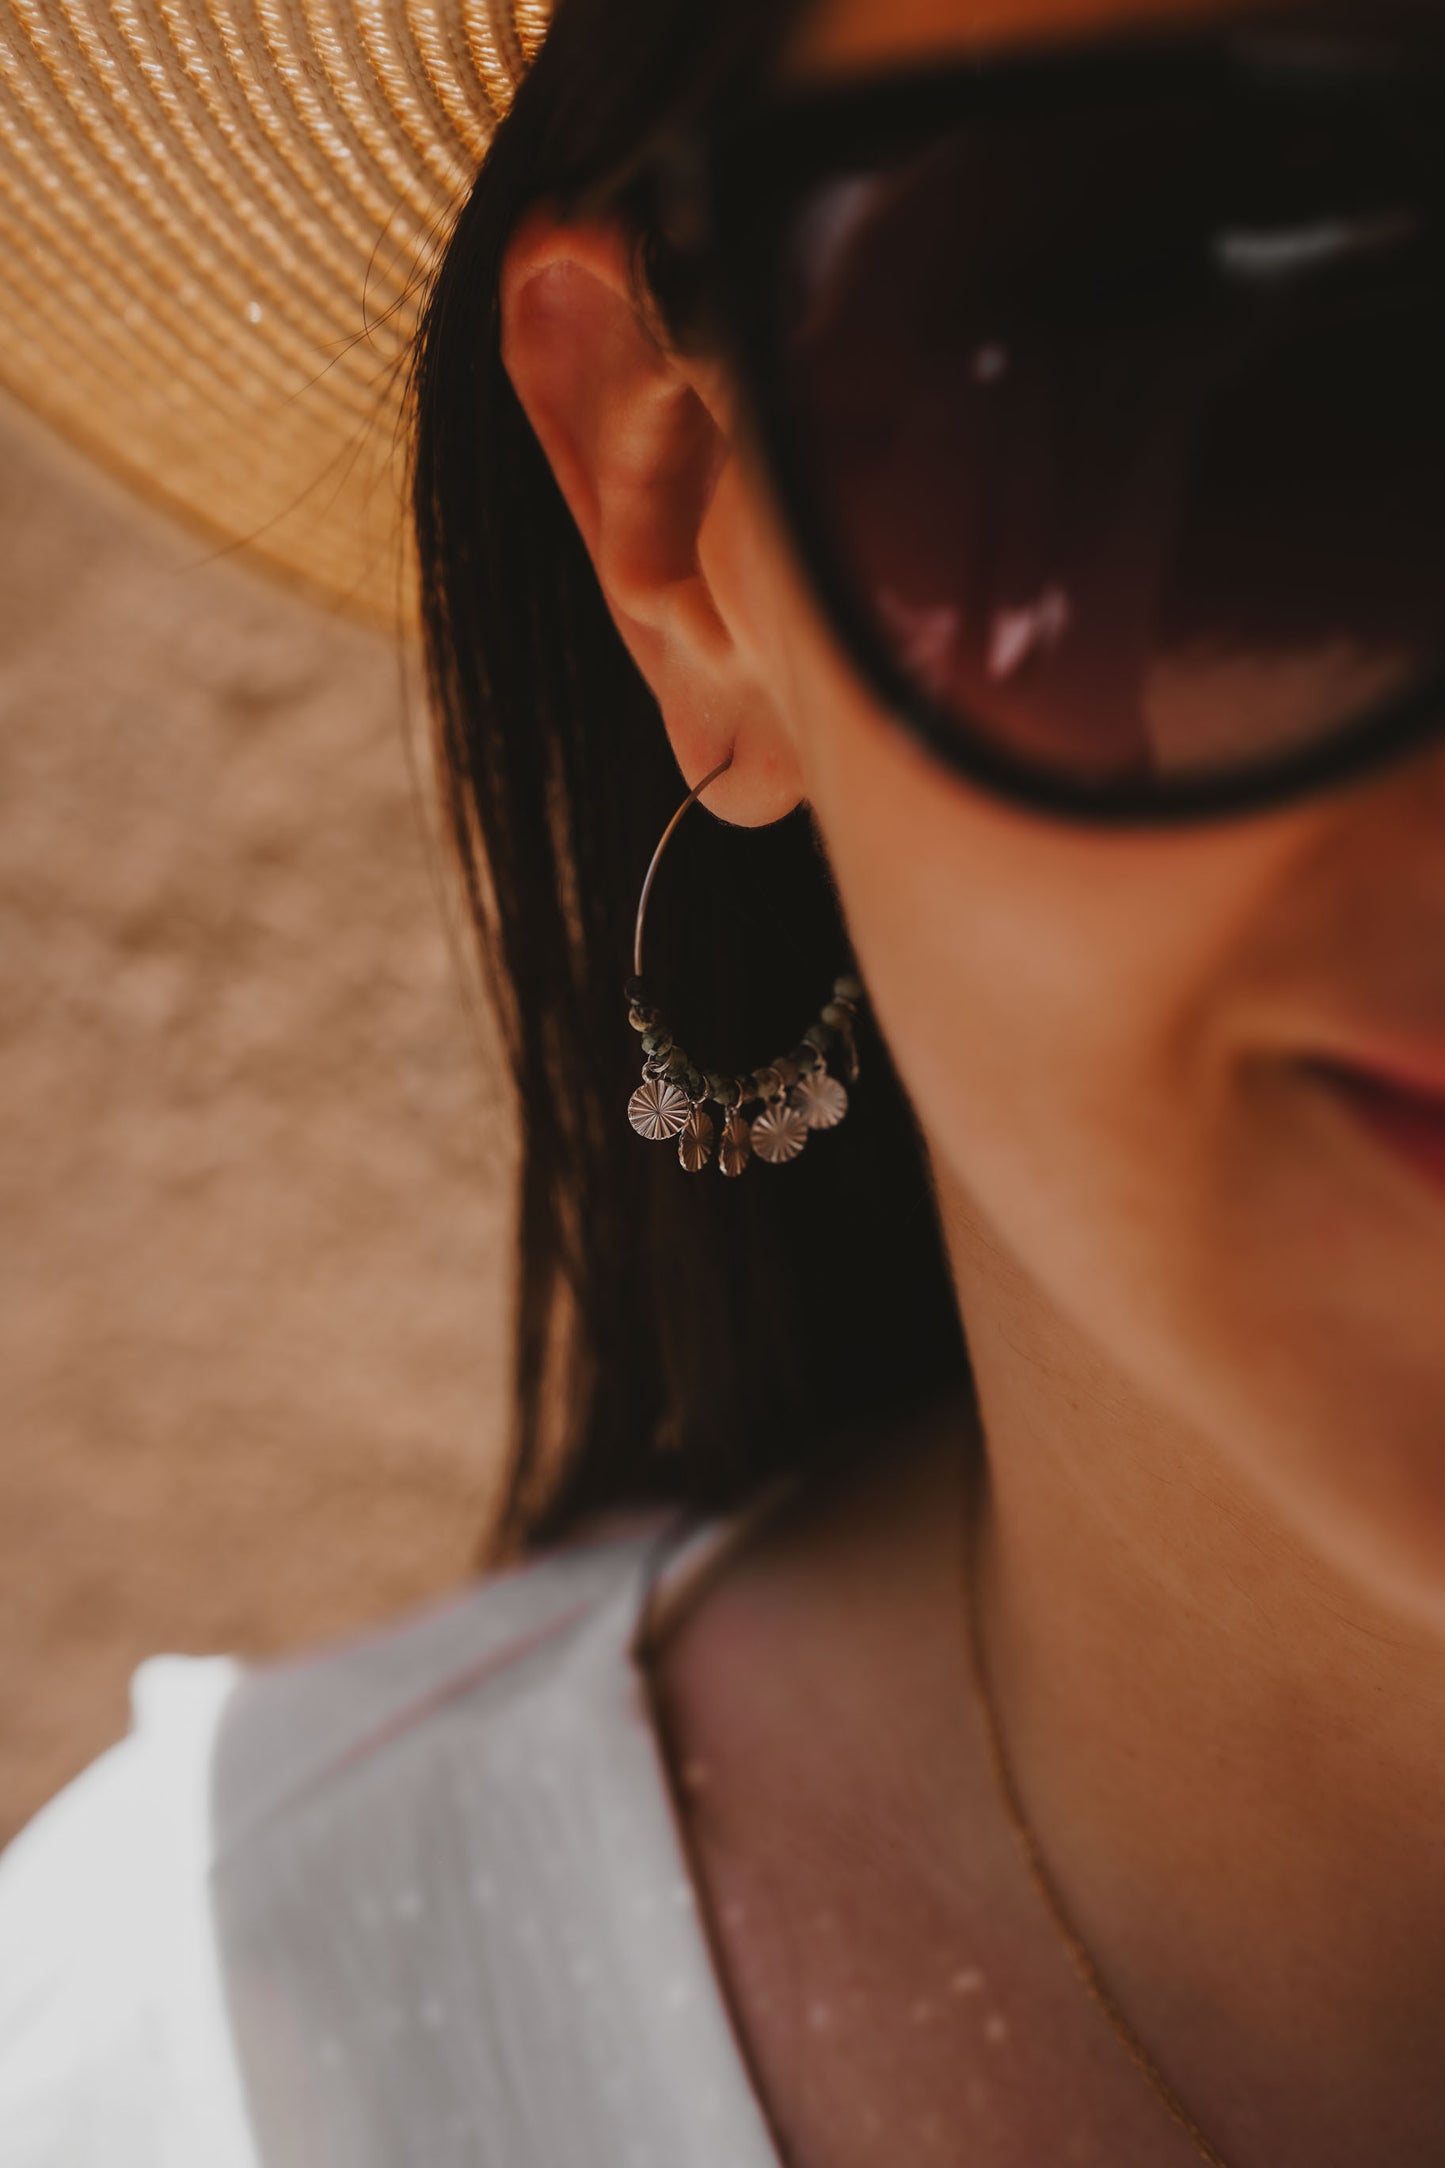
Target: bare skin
x: 1205, y: 1320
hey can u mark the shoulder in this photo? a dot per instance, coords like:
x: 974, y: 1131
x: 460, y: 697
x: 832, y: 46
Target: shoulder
x: 417, y: 1835
x: 493, y: 1660
x: 139, y: 1909
x: 106, y: 1978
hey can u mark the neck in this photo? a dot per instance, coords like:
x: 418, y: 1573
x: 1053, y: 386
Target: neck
x: 1230, y: 1756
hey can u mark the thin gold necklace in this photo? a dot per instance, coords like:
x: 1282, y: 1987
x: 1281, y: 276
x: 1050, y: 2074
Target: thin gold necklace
x: 1080, y: 1956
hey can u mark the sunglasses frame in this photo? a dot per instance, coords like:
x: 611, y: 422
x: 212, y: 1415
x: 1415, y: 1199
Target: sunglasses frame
x: 729, y: 194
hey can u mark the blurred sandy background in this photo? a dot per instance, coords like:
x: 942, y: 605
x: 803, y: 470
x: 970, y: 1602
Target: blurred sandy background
x: 254, y: 1183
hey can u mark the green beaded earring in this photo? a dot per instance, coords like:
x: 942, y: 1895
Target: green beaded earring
x: 793, y: 1094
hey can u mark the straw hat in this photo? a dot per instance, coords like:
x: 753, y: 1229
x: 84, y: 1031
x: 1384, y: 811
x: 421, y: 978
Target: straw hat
x: 216, y: 217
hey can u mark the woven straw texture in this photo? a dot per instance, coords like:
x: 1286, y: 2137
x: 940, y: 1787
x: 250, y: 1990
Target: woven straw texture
x: 217, y: 219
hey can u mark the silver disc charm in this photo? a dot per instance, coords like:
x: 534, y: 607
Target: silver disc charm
x: 736, y: 1148
x: 778, y: 1133
x: 694, y: 1146
x: 820, y: 1099
x: 658, y: 1109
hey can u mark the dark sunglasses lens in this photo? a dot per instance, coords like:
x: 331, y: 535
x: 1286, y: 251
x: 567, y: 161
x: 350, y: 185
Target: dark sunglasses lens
x: 1122, y: 437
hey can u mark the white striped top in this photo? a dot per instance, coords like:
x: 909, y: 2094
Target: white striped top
x: 419, y: 1897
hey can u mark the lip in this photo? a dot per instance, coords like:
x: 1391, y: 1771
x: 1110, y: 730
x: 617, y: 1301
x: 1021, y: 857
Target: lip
x: 1399, y: 1101
x: 1413, y: 1067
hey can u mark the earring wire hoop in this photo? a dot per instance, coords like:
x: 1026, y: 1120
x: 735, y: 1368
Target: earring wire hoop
x: 795, y: 1093
x: 695, y: 792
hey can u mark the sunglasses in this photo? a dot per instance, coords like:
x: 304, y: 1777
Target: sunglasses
x: 1102, y: 393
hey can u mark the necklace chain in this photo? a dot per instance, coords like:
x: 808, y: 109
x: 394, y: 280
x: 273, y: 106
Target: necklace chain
x: 1080, y: 1955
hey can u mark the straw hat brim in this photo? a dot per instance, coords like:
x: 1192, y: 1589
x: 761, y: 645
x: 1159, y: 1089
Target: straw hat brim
x: 217, y: 219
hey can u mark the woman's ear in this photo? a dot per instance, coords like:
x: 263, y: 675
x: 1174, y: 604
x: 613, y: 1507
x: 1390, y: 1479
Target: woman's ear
x: 638, y: 438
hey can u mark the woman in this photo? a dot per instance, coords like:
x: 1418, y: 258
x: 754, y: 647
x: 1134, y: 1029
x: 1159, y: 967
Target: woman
x: 994, y: 454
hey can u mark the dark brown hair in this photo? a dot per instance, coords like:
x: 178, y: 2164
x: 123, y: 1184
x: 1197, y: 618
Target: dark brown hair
x: 676, y: 1335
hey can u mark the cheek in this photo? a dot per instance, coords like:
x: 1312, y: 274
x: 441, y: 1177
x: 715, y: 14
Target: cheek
x: 1049, y: 1008
x: 1061, y: 1002
x: 1050, y: 992
x: 1057, y: 999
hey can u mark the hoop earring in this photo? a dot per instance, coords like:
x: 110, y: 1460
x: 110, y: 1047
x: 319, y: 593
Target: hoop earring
x: 797, y: 1092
